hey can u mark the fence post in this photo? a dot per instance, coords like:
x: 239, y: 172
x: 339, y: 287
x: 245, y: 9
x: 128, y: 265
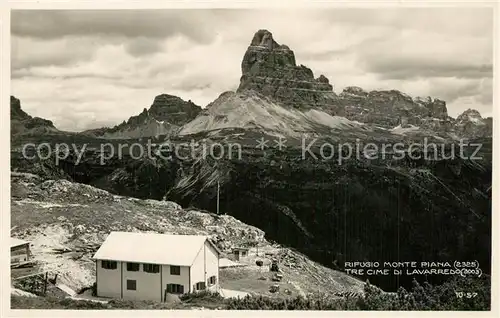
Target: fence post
x: 45, y: 283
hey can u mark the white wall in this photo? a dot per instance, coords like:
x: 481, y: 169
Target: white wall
x: 148, y: 285
x: 108, y: 281
x: 152, y: 286
x: 198, y: 269
x: 206, y: 264
x: 212, y: 265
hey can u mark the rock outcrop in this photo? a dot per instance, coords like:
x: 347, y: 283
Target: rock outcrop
x: 470, y: 124
x: 165, y: 116
x: 173, y: 109
x: 270, y: 69
x: 391, y: 107
x: 22, y: 123
x: 16, y: 113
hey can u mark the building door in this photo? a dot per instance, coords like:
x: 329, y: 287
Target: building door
x: 173, y: 289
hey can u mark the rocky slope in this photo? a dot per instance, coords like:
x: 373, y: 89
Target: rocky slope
x: 354, y: 211
x: 248, y: 110
x: 164, y: 117
x: 66, y: 223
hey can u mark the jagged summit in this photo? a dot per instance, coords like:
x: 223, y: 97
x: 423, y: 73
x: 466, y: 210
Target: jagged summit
x: 264, y: 38
x: 470, y: 113
x: 22, y: 123
x: 164, y: 117
x: 15, y: 109
x: 173, y: 109
x: 270, y: 68
x: 471, y: 123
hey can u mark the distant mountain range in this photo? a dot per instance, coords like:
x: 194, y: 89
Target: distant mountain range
x: 277, y: 95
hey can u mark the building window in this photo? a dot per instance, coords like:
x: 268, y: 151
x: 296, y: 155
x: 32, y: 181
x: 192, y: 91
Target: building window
x: 175, y: 270
x: 132, y: 267
x: 108, y: 264
x: 151, y: 268
x: 175, y: 289
x: 243, y: 253
x: 19, y: 251
x: 131, y: 284
x: 200, y: 286
x: 212, y: 280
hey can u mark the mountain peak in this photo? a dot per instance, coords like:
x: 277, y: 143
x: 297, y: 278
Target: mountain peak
x: 174, y: 109
x: 164, y: 117
x: 472, y: 125
x: 15, y: 109
x: 471, y: 113
x: 270, y: 69
x: 264, y: 38
x: 265, y: 52
x: 22, y: 122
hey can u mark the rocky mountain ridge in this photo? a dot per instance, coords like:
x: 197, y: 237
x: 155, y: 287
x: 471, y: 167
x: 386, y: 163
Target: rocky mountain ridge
x: 270, y: 69
x: 390, y: 108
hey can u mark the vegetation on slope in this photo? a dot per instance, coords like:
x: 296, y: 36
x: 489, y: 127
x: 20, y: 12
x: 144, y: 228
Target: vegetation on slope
x: 419, y: 297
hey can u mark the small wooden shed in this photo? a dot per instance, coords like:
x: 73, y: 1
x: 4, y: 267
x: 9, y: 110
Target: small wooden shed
x: 19, y: 251
x: 239, y: 252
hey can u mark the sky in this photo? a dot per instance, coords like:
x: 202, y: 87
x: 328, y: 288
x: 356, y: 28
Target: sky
x: 89, y: 69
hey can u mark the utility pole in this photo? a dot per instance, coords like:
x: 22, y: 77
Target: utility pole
x: 218, y: 189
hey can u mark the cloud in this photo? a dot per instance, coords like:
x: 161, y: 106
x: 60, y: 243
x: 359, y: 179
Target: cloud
x: 53, y: 24
x: 143, y: 46
x: 474, y: 21
x: 27, y: 52
x: 81, y: 69
x: 413, y: 54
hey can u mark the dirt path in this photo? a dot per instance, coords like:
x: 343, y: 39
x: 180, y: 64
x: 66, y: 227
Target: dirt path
x: 228, y: 293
